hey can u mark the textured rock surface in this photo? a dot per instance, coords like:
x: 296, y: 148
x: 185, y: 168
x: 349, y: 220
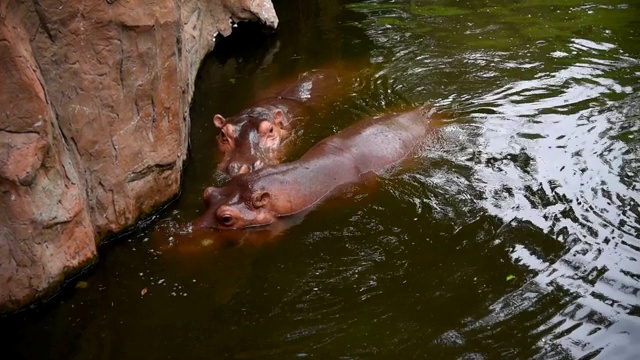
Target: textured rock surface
x: 94, y: 123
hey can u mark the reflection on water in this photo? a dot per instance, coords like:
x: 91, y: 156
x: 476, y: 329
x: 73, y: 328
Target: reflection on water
x: 516, y: 235
x: 552, y: 134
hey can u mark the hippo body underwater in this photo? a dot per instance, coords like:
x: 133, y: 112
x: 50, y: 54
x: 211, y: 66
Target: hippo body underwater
x: 346, y: 158
x: 253, y: 138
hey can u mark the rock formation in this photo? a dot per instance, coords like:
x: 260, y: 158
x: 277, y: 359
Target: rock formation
x: 94, y: 123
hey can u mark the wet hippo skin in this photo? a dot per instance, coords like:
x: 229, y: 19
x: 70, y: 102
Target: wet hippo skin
x: 346, y: 158
x: 254, y: 137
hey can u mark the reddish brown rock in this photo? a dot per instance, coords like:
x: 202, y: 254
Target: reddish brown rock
x: 94, y: 123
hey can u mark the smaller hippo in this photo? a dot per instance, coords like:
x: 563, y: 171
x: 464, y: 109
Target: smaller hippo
x: 346, y: 158
x: 253, y: 137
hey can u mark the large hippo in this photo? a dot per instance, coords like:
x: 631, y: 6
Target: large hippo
x: 346, y: 158
x: 253, y: 137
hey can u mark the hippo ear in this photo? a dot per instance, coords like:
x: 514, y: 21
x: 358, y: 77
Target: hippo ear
x: 208, y: 191
x: 279, y: 119
x: 206, y: 195
x: 219, y: 121
x: 260, y: 199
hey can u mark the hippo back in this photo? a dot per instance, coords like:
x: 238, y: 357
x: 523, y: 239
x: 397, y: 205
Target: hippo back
x: 375, y: 144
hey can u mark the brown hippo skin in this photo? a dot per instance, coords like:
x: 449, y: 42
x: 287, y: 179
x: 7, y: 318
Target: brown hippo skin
x: 348, y: 157
x: 253, y: 137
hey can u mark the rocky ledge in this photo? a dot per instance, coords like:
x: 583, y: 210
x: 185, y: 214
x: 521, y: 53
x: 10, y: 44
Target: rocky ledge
x: 94, y: 123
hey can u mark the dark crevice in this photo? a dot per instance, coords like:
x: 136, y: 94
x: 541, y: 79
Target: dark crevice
x: 137, y: 109
x: 154, y: 118
x: 149, y: 170
x: 121, y: 62
x: 115, y: 149
x: 59, y: 222
x: 20, y: 132
x: 179, y: 34
x: 40, y: 11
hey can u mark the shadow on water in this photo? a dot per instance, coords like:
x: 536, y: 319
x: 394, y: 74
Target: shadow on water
x: 513, y: 236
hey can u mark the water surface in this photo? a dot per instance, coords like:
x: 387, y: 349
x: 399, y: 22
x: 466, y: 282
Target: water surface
x: 515, y: 235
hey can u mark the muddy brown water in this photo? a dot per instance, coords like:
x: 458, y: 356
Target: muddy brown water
x: 515, y: 235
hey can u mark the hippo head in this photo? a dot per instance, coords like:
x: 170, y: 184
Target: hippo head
x: 250, y: 139
x: 235, y: 206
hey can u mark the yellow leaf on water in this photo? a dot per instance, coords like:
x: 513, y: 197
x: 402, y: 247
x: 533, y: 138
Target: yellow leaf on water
x: 206, y: 242
x: 82, y: 285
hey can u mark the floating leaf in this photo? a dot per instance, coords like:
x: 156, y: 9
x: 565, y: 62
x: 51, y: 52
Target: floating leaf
x: 143, y: 291
x: 82, y: 285
x: 511, y: 277
x: 206, y: 242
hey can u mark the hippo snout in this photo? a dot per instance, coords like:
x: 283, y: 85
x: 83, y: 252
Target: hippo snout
x: 238, y: 168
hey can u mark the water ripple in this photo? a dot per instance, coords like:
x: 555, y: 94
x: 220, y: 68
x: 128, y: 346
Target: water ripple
x: 555, y: 144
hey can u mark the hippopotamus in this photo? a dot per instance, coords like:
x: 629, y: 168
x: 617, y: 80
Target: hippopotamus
x: 347, y: 158
x: 253, y: 137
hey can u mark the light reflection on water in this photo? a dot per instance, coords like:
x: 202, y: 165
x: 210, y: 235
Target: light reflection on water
x: 553, y: 140
x: 578, y: 183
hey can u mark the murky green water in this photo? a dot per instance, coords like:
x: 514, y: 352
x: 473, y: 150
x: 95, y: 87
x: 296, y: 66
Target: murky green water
x: 516, y: 236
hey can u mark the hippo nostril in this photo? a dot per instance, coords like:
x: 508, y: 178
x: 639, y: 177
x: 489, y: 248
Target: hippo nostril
x: 243, y: 169
x: 237, y: 168
x: 234, y: 169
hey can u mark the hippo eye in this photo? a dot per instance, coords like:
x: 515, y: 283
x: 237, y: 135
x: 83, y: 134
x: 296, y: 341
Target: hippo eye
x: 226, y: 219
x: 271, y: 129
x: 223, y: 137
